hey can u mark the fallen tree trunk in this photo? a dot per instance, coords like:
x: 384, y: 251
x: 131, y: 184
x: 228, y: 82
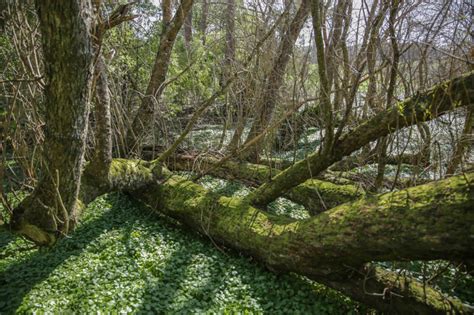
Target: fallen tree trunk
x: 315, y: 195
x: 424, y: 222
x: 410, y: 224
x: 331, y: 248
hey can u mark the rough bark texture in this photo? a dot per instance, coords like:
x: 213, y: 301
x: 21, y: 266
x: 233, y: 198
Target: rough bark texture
x: 103, y: 130
x: 423, y: 106
x: 68, y: 55
x: 409, y: 224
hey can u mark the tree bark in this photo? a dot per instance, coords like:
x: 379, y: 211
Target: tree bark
x: 229, y: 50
x: 203, y: 21
x: 145, y: 114
x: 463, y: 143
x: 421, y: 107
x: 409, y: 224
x: 382, y: 143
x: 188, y: 30
x: 103, y: 131
x: 315, y: 195
x: 166, y: 9
x: 325, y: 84
x: 68, y: 57
x: 274, y: 80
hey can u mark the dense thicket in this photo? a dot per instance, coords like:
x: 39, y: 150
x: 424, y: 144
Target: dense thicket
x: 358, y: 112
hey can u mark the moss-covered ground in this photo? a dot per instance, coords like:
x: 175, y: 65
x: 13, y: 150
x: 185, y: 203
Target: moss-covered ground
x: 122, y: 258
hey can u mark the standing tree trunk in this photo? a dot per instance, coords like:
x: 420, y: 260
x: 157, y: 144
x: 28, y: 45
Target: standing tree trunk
x: 227, y: 69
x: 103, y: 128
x: 188, y: 30
x: 203, y: 21
x: 229, y: 50
x: 145, y: 114
x: 274, y: 80
x: 463, y: 143
x: 166, y: 11
x: 51, y: 209
x: 103, y: 131
x: 383, y: 142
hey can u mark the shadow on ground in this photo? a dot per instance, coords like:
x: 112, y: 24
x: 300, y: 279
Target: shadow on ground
x: 123, y: 258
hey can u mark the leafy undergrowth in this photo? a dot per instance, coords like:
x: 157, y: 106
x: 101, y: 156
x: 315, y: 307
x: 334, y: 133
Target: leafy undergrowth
x: 122, y: 258
x: 281, y: 206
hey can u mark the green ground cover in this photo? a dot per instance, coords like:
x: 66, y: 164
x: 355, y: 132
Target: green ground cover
x: 123, y: 258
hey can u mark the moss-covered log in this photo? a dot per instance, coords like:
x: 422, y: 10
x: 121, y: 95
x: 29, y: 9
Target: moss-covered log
x: 433, y: 221
x: 315, y: 195
x: 426, y: 222
x: 352, y: 162
x: 421, y: 107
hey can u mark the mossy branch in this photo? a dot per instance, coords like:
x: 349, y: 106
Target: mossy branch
x: 421, y: 107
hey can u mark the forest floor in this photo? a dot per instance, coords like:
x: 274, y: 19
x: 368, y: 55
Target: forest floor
x: 123, y: 258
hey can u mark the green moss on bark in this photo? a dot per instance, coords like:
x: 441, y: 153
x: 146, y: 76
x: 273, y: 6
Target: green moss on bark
x: 318, y: 196
x: 426, y: 222
x: 314, y: 194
